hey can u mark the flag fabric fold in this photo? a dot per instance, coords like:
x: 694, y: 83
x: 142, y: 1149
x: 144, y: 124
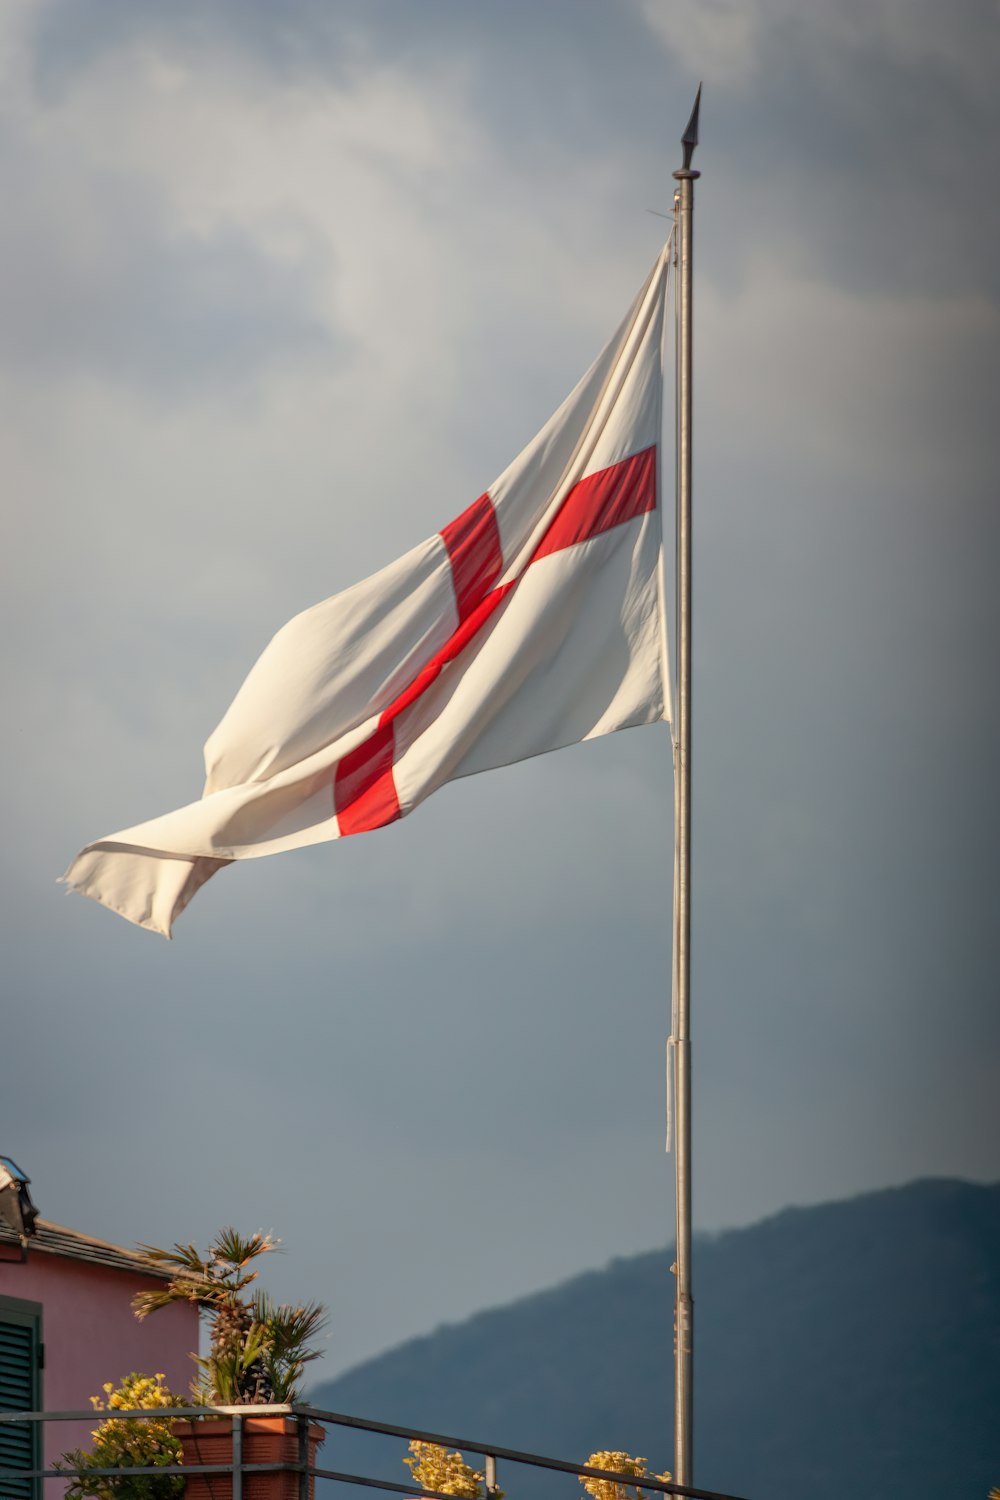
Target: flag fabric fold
x: 533, y: 621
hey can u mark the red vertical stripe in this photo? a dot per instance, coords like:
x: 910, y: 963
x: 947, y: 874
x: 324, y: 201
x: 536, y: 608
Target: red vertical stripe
x: 451, y: 648
x: 364, y: 790
x: 473, y: 544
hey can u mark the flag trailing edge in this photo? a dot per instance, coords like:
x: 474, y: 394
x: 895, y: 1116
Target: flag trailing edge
x: 533, y: 621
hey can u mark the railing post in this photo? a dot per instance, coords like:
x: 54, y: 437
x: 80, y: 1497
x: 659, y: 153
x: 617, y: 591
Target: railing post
x: 237, y: 1458
x: 491, y: 1476
x: 303, y: 1423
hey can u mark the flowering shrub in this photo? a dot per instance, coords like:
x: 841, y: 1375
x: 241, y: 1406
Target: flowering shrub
x: 434, y: 1468
x: 129, y: 1443
x: 618, y: 1463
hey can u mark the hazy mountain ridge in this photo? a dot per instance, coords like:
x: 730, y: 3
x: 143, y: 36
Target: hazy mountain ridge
x: 856, y: 1341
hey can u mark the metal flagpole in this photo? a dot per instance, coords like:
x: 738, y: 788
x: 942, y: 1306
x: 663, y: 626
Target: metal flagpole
x: 683, y: 1303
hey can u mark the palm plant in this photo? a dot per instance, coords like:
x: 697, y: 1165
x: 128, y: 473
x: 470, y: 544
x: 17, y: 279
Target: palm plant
x: 258, y: 1349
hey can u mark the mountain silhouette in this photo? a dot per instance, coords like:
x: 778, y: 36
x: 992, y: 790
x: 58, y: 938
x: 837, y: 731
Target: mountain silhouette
x: 847, y: 1348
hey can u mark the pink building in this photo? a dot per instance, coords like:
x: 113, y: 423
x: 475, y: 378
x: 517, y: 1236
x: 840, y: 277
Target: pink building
x: 67, y: 1327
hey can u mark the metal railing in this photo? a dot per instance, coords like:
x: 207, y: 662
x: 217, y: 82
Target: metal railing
x: 304, y: 1416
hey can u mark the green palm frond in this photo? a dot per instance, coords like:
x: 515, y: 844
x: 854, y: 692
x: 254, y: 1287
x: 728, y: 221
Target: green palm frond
x: 290, y: 1331
x: 291, y: 1328
x: 184, y: 1257
x: 203, y: 1295
x: 237, y: 1250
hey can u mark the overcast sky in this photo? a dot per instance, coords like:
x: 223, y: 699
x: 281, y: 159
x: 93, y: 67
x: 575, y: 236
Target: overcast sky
x: 284, y: 287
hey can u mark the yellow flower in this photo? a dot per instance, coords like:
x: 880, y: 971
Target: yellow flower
x: 434, y: 1468
x: 622, y: 1463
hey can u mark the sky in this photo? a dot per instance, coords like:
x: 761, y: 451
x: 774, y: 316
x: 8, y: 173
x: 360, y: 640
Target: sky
x: 284, y: 288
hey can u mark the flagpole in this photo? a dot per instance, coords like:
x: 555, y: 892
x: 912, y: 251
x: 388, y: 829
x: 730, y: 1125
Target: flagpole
x: 684, y: 1302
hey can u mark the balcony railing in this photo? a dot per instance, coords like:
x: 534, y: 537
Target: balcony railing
x: 25, y: 1484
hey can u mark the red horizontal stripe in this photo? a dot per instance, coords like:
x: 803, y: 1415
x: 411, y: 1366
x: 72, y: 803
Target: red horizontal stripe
x: 601, y: 501
x: 473, y: 544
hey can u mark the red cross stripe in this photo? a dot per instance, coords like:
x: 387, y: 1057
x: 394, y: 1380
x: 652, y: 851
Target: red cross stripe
x: 364, y: 789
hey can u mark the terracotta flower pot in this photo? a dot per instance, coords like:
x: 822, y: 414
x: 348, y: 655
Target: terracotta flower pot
x: 266, y: 1440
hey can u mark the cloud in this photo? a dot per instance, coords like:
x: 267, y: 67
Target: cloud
x: 731, y: 42
x: 145, y: 307
x: 851, y: 140
x: 105, y: 278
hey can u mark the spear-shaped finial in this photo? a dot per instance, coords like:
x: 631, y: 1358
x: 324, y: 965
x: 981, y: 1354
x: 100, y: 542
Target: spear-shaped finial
x: 690, y: 137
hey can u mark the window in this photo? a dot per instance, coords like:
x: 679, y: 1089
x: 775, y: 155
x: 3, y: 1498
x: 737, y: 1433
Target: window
x: 20, y: 1390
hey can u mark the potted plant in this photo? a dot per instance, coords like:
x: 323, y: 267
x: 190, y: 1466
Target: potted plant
x: 257, y: 1353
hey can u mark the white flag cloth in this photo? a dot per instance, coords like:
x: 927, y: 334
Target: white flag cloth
x: 534, y: 620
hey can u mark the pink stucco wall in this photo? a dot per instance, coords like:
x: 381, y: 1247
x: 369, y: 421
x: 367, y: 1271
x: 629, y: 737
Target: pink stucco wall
x: 92, y: 1336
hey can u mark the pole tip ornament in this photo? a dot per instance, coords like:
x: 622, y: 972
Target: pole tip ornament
x: 690, y: 137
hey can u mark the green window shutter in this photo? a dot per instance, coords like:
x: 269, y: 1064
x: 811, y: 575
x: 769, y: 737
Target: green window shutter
x: 19, y: 1355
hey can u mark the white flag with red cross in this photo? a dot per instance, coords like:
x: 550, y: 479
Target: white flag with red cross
x: 534, y: 620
